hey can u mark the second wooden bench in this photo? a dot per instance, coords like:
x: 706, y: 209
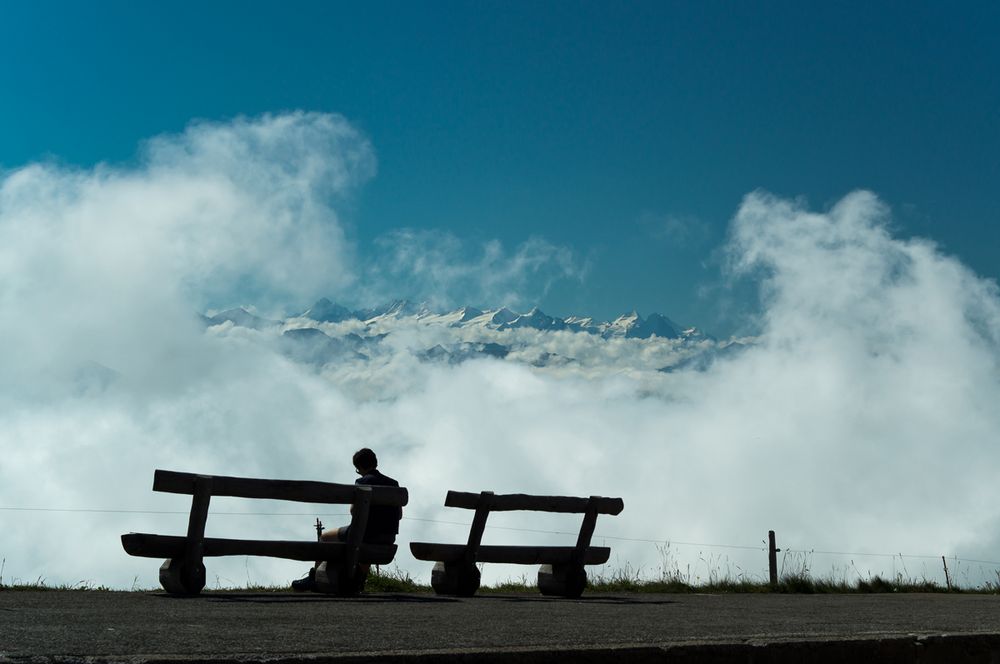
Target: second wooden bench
x: 562, y: 567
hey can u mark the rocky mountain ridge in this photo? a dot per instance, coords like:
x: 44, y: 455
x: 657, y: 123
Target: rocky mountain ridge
x: 630, y: 325
x: 328, y: 332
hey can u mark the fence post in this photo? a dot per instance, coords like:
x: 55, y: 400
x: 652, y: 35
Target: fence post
x: 947, y: 577
x: 772, y: 559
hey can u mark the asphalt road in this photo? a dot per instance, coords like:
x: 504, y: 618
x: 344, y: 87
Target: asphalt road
x: 119, y: 626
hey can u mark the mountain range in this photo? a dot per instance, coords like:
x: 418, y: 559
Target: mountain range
x: 329, y: 333
x: 630, y: 326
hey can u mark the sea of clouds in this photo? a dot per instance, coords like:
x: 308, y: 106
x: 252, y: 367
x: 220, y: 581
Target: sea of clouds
x: 863, y: 419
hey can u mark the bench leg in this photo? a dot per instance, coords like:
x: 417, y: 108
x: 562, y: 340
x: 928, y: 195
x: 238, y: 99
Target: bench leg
x: 460, y: 578
x: 334, y: 579
x: 562, y: 580
x: 179, y: 578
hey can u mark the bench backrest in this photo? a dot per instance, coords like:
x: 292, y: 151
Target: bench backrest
x: 486, y: 502
x: 520, y: 501
x: 202, y: 487
x: 299, y: 491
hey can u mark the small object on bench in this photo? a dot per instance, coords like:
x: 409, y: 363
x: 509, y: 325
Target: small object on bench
x: 345, y: 564
x: 562, y: 567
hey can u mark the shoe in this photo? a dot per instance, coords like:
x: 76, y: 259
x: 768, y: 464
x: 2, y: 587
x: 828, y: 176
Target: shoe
x: 306, y: 584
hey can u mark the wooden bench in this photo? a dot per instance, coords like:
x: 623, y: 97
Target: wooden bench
x: 344, y: 564
x: 562, y: 567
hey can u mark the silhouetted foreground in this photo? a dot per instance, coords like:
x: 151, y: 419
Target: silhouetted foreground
x: 149, y: 627
x: 345, y: 564
x: 344, y: 555
x: 562, y: 571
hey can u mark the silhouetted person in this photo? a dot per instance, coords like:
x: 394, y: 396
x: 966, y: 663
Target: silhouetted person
x: 383, y: 520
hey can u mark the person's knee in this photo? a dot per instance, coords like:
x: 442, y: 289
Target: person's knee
x: 335, y: 534
x: 332, y: 535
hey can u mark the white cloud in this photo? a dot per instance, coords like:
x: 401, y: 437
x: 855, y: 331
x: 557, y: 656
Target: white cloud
x: 871, y: 392
x: 111, y: 264
x: 442, y: 269
x: 864, y: 419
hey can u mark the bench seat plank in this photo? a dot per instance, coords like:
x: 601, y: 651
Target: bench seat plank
x: 171, y: 546
x: 519, y: 501
x: 518, y: 555
x: 170, y: 481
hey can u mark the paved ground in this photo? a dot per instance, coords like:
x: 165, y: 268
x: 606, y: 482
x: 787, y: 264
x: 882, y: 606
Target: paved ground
x: 77, y: 625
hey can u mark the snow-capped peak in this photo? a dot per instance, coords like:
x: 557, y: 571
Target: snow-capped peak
x: 502, y: 315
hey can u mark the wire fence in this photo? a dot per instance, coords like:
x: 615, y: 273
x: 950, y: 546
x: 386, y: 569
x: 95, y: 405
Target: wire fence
x: 763, y: 546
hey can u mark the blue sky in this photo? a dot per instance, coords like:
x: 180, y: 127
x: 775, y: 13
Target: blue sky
x: 628, y: 132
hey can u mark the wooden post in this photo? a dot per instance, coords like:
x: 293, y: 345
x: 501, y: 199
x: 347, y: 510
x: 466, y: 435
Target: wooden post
x: 462, y: 577
x: 478, y: 526
x: 187, y: 575
x: 570, y: 580
x: 586, y: 531
x: 343, y: 579
x: 465, y: 577
x: 200, y: 499
x: 772, y: 559
x: 947, y: 577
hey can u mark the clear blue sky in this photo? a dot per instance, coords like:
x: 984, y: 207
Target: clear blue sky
x: 588, y: 124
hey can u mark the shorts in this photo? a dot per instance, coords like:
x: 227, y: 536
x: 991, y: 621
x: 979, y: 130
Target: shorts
x: 372, y: 538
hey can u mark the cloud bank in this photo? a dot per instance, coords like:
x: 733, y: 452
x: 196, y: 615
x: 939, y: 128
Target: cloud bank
x: 110, y: 265
x: 863, y: 418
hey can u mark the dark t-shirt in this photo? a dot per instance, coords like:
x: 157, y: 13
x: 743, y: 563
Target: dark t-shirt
x: 383, y: 520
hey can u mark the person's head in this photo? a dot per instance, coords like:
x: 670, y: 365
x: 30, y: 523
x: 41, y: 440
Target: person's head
x: 365, y: 460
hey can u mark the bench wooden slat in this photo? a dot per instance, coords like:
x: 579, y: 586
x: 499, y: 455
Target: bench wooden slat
x: 170, y: 481
x: 172, y: 546
x: 520, y: 501
x: 518, y: 555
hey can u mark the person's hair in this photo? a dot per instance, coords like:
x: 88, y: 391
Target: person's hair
x: 364, y: 459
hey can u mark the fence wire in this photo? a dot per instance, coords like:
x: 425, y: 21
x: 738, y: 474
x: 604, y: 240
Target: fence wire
x: 659, y: 541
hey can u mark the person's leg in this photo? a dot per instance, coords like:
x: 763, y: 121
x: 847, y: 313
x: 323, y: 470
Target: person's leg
x: 332, y: 535
x: 335, y: 534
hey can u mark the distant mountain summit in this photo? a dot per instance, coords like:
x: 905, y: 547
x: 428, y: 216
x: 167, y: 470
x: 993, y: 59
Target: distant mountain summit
x: 393, y: 309
x: 537, y: 320
x: 502, y: 316
x: 242, y: 318
x: 633, y: 326
x: 325, y: 311
x: 468, y: 314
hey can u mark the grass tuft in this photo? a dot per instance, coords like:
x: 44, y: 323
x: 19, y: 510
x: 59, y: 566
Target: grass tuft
x: 393, y: 580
